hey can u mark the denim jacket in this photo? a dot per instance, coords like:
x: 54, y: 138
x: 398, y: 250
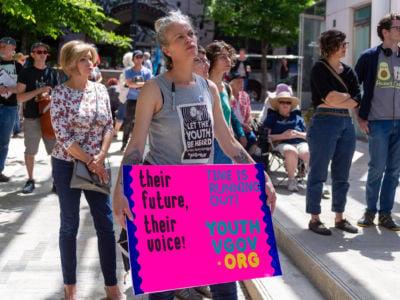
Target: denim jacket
x: 366, y: 69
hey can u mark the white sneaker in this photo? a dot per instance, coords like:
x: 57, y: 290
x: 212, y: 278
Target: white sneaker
x: 292, y: 185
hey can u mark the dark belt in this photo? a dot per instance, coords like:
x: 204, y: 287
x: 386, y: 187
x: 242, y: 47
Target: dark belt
x: 331, y: 113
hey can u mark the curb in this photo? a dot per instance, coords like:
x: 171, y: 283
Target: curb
x: 328, y: 283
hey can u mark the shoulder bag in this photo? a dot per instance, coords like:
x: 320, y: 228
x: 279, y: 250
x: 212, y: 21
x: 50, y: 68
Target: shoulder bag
x: 82, y: 178
x: 336, y: 75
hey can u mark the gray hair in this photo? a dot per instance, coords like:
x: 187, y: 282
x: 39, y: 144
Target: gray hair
x: 161, y: 27
x: 127, y: 60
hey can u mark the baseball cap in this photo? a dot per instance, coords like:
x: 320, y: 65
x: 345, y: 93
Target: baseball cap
x: 235, y: 75
x: 137, y: 53
x: 8, y: 40
x: 38, y: 44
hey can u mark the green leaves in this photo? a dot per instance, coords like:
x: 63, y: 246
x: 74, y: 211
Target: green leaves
x: 52, y: 18
x: 275, y: 21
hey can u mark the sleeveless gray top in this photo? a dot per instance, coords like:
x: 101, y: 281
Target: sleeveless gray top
x: 182, y: 131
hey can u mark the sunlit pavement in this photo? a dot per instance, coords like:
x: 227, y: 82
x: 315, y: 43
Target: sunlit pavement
x: 29, y: 223
x: 365, y: 264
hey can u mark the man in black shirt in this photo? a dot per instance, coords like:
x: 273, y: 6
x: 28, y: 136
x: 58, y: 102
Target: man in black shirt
x: 242, y: 66
x: 8, y: 101
x: 35, y: 84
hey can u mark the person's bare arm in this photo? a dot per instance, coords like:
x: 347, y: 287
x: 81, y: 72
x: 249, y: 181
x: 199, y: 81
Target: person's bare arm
x: 23, y: 96
x: 148, y: 103
x: 135, y: 85
x: 339, y: 100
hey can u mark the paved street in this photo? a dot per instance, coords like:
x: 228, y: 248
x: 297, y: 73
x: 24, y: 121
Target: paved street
x: 29, y: 255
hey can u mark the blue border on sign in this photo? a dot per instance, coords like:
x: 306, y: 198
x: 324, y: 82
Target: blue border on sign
x: 131, y: 227
x: 269, y: 229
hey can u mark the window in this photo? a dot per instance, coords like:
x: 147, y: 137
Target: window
x: 362, y: 31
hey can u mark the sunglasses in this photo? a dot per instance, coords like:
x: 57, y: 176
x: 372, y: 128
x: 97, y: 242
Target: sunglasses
x: 285, y: 102
x: 139, y: 56
x: 41, y: 52
x: 345, y: 44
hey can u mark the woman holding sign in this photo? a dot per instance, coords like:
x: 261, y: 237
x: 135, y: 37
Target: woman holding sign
x: 168, y: 109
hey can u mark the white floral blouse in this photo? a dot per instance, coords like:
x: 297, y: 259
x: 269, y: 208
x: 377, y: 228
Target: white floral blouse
x: 72, y: 114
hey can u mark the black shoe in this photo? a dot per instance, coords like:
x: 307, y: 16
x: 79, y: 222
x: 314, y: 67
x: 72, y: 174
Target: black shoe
x: 345, y: 226
x: 4, y: 178
x: 319, y: 227
x: 367, y: 219
x: 17, y: 136
x: 385, y: 220
x: 204, y: 290
x: 188, y: 294
x: 29, y: 186
x: 123, y: 147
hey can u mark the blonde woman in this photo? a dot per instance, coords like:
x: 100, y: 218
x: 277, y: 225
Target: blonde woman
x: 81, y: 117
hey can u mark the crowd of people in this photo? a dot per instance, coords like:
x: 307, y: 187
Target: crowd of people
x: 78, y: 118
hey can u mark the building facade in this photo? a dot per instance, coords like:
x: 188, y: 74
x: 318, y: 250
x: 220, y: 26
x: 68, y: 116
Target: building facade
x: 358, y: 19
x: 147, y: 12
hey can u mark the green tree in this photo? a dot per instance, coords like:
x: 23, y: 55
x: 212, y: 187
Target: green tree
x: 272, y: 22
x: 52, y: 18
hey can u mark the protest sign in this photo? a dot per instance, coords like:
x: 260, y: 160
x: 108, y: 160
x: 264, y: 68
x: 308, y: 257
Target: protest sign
x: 198, y: 225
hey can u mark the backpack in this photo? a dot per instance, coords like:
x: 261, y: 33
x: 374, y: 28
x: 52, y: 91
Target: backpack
x: 44, y: 111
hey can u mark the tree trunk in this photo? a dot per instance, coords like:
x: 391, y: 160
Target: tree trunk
x: 264, y: 76
x: 24, y: 42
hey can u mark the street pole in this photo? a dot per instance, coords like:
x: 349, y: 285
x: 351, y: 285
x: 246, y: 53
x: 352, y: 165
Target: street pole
x: 134, y: 24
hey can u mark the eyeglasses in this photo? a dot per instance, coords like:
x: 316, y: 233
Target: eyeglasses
x: 345, y: 44
x: 285, y: 102
x: 397, y: 28
x: 139, y: 56
x: 41, y: 52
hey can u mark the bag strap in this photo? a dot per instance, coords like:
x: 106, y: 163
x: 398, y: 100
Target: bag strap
x: 95, y: 117
x: 228, y: 89
x: 94, y: 120
x: 335, y: 75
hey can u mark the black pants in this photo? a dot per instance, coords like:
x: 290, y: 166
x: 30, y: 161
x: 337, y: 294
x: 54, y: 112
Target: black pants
x: 129, y: 120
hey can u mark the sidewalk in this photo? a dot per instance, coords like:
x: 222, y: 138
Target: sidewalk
x: 343, y: 266
x: 29, y: 254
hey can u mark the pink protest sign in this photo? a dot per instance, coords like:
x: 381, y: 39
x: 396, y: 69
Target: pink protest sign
x: 198, y: 225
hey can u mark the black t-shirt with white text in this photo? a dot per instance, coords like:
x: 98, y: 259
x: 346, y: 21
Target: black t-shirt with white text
x: 35, y: 78
x: 12, y: 68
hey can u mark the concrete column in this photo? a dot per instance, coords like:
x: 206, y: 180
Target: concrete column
x: 395, y: 6
x: 379, y: 8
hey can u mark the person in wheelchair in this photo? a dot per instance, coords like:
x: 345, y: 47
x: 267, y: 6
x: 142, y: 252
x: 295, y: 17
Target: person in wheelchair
x: 287, y: 131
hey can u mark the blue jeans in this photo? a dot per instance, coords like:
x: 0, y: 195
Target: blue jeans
x: 384, y: 151
x: 220, y: 158
x: 7, y: 120
x: 251, y: 139
x: 17, y: 124
x: 100, y: 209
x: 222, y: 291
x: 330, y: 139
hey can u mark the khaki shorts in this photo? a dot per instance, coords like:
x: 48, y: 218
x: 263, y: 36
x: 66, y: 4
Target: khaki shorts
x: 32, y: 136
x: 299, y: 148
